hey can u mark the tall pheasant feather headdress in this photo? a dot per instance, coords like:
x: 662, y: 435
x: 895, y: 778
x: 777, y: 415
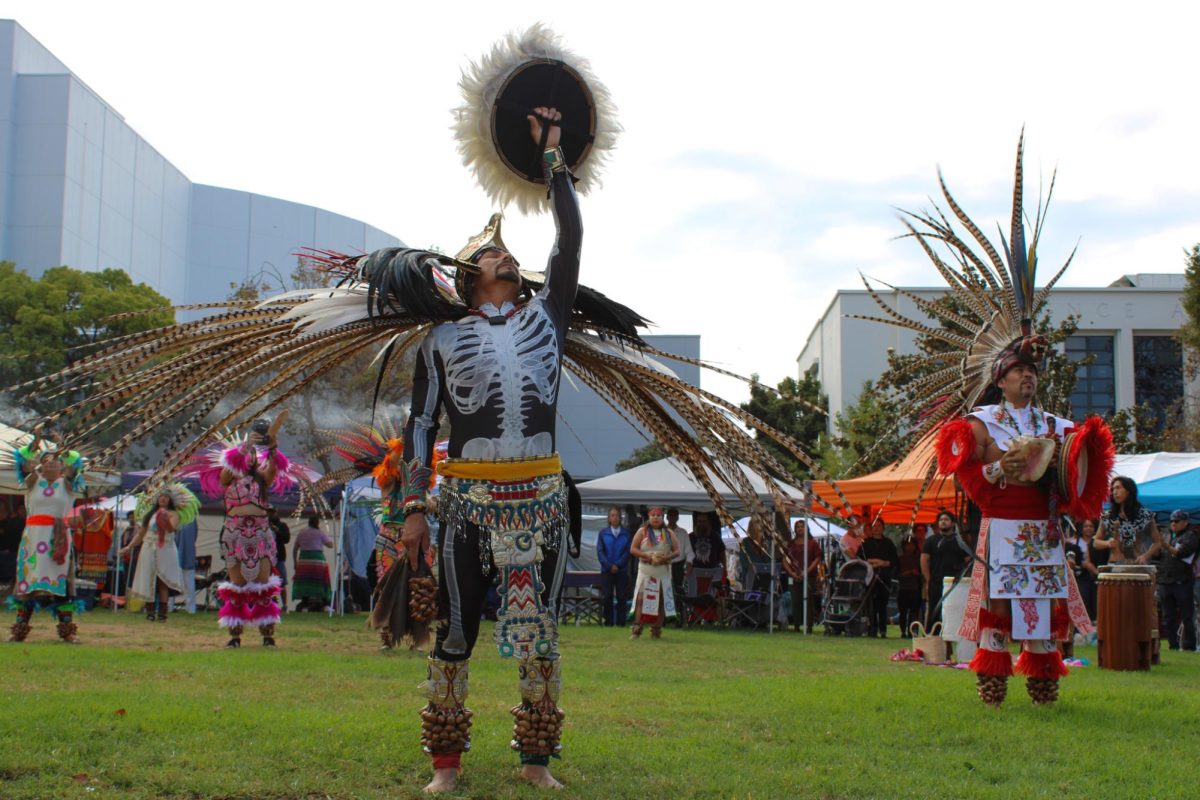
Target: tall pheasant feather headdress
x: 996, y: 290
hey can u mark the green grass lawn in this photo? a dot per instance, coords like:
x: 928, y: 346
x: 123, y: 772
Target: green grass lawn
x: 148, y: 710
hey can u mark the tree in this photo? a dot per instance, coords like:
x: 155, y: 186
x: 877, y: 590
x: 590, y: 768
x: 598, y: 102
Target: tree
x: 643, y: 455
x: 1189, y: 332
x: 867, y: 437
x: 345, y: 395
x: 47, y: 322
x: 796, y: 408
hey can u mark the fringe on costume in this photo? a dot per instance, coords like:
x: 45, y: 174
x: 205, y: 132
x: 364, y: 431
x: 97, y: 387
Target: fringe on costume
x: 252, y: 605
x: 1096, y: 440
x: 1041, y: 665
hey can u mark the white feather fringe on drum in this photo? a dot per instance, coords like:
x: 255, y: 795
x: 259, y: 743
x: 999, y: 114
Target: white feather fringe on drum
x: 480, y: 84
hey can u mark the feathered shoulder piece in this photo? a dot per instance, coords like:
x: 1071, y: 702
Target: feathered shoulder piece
x: 368, y: 449
x: 187, y: 504
x: 989, y: 322
x: 237, y: 456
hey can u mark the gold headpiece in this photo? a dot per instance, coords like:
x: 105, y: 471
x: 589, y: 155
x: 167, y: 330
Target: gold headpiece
x: 486, y: 239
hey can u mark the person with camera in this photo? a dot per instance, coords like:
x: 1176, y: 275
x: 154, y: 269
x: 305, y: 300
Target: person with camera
x: 1175, y: 596
x: 244, y: 474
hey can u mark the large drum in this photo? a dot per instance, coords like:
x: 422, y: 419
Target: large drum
x: 1125, y: 617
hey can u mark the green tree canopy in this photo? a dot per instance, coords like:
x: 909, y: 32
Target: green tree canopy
x: 47, y: 322
x: 797, y: 408
x: 1189, y: 332
x: 643, y: 455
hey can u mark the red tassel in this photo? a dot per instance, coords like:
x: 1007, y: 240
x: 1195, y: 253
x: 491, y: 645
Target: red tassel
x: 955, y: 445
x: 1096, y: 439
x: 989, y: 619
x: 1060, y: 622
x: 1042, y: 665
x: 993, y: 663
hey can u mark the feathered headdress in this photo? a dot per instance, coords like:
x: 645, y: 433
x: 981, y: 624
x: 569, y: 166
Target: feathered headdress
x: 369, y: 449
x: 187, y: 504
x: 521, y: 71
x: 996, y: 291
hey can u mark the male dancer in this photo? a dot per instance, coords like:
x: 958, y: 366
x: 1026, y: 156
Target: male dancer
x: 495, y: 373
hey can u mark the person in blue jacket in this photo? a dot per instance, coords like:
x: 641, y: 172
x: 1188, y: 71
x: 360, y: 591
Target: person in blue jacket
x: 612, y: 547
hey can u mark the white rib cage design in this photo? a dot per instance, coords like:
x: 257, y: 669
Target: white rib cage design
x: 507, y: 367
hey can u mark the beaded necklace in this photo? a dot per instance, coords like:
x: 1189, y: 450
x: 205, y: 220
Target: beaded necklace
x: 1004, y: 415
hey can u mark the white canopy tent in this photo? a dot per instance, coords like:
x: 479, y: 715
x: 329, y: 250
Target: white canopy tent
x: 667, y: 482
x: 1146, y: 467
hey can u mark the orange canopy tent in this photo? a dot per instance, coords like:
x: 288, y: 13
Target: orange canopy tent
x: 891, y: 493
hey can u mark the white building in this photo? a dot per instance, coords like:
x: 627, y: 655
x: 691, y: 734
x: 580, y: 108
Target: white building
x: 1129, y: 326
x: 79, y: 187
x: 83, y: 189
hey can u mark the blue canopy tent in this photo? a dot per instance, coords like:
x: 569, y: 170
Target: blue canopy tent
x: 1181, y: 490
x: 1166, y: 481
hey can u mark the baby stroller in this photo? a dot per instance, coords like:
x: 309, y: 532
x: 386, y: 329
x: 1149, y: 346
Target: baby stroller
x: 846, y: 604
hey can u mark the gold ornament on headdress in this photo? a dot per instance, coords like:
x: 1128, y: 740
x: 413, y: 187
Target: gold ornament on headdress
x: 486, y: 239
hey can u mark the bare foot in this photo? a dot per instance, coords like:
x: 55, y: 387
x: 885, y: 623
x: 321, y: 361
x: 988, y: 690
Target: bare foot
x: 540, y: 776
x: 444, y: 780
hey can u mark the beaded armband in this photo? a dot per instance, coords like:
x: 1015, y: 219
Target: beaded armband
x: 553, y: 161
x: 994, y: 474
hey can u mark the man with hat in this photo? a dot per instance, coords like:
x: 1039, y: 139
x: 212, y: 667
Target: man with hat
x: 1175, y: 581
x: 1023, y: 467
x: 495, y: 373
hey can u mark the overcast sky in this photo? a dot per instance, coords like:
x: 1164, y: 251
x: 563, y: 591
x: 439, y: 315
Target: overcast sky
x: 766, y: 145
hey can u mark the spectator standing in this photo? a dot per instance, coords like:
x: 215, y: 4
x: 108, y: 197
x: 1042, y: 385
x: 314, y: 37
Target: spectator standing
x: 1175, y: 577
x: 612, y: 548
x: 804, y: 592
x: 707, y: 545
x: 941, y: 557
x: 653, y: 600
x: 681, y: 565
x: 185, y: 544
x: 311, y: 587
x: 283, y: 535
x: 880, y: 552
x: 755, y: 560
x: 908, y: 586
x: 1128, y: 530
x: 1086, y: 578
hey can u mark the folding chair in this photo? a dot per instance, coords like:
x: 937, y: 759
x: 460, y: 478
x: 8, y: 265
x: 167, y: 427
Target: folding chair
x: 581, y: 598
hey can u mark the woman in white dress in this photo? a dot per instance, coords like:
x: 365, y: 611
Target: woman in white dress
x: 158, y: 572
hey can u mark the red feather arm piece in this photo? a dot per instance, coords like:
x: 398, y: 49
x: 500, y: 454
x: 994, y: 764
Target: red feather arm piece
x: 955, y: 449
x: 1090, y: 490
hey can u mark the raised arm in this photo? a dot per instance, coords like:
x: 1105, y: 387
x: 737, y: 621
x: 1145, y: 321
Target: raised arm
x: 562, y: 271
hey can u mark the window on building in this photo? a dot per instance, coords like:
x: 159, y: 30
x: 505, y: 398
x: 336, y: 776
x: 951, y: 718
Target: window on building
x: 1158, y: 375
x: 1095, y: 387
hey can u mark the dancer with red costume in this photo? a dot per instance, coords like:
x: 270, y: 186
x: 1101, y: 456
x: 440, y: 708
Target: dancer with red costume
x: 1021, y: 465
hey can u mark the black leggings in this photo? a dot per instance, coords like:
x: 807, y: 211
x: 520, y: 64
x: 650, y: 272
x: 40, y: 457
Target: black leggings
x: 463, y: 588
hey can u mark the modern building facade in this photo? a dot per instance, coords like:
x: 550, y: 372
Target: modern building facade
x: 82, y: 188
x: 1129, y: 328
x: 79, y: 187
